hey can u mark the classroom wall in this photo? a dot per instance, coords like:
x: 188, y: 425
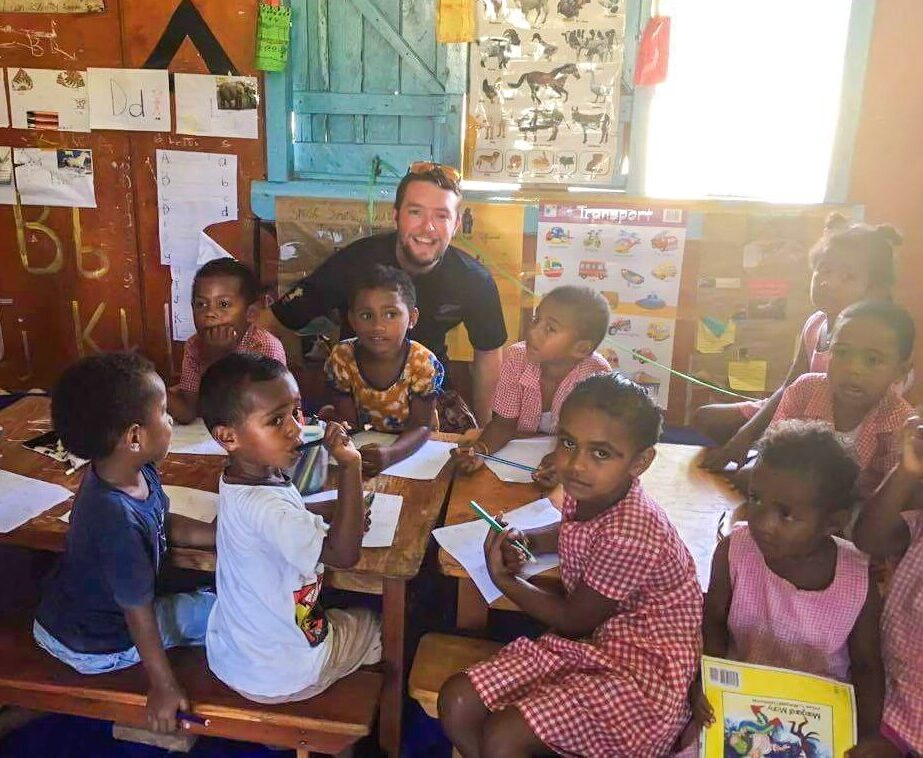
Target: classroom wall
x: 72, y: 282
x: 887, y: 173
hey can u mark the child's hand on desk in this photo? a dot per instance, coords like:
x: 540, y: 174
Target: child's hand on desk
x: 546, y: 475
x: 375, y: 459
x: 465, y: 458
x: 340, y: 446
x: 162, y: 705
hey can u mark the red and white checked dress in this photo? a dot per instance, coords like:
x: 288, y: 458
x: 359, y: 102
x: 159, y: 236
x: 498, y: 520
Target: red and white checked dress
x: 622, y: 692
x: 902, y: 641
x: 876, y: 444
x: 255, y: 340
x: 773, y: 623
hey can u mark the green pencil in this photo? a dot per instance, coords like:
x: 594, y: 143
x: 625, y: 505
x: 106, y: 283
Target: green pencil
x: 495, y: 525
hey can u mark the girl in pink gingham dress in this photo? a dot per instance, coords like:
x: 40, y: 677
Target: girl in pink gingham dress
x: 610, y: 678
x: 891, y: 524
x: 786, y: 593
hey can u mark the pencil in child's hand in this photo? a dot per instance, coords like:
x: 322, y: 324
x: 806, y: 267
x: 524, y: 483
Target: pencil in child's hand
x: 495, y: 525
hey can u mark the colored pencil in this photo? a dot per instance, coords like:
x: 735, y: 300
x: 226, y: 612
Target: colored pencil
x: 495, y: 525
x: 514, y: 464
x: 192, y: 718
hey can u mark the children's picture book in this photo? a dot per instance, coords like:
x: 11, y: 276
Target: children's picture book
x: 764, y: 711
x: 50, y: 444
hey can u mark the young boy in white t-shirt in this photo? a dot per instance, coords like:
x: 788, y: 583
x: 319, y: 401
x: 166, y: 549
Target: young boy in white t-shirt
x: 267, y: 636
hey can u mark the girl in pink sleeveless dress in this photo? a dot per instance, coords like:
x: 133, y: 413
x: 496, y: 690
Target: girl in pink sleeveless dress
x: 850, y: 262
x: 783, y: 591
x: 891, y: 524
x: 609, y: 680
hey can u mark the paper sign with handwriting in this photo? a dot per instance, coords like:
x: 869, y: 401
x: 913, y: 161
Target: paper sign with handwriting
x: 216, y: 106
x: 130, y: 99
x: 54, y: 99
x: 55, y: 177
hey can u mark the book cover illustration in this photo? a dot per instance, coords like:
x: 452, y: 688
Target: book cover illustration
x: 50, y: 444
x: 764, y: 712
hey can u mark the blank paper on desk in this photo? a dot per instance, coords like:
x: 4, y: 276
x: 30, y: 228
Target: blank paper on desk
x: 528, y: 451
x: 424, y: 464
x: 465, y: 542
x: 194, y: 439
x: 386, y: 512
x: 192, y: 503
x: 23, y: 498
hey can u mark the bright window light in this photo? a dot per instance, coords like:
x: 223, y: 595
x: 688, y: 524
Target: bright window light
x: 751, y: 102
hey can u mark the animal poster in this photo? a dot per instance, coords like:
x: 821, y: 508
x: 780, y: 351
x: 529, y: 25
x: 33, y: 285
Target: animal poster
x: 633, y: 255
x: 55, y: 177
x: 53, y: 99
x: 493, y: 235
x: 544, y: 84
x: 216, y: 106
x: 130, y: 99
x: 7, y: 188
x: 763, y: 711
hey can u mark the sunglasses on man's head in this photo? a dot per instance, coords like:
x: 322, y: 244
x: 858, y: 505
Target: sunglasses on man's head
x: 438, y: 170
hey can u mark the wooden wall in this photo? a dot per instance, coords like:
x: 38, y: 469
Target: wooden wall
x: 92, y: 279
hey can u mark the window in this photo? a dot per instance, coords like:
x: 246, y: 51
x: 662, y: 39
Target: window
x: 752, y: 104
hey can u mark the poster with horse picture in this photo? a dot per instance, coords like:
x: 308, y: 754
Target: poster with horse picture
x: 545, y: 79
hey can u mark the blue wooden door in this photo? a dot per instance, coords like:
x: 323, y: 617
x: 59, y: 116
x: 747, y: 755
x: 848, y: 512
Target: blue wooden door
x: 370, y: 81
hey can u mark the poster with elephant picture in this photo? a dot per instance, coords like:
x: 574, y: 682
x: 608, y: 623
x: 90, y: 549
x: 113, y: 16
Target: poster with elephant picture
x: 216, y: 106
x: 544, y: 89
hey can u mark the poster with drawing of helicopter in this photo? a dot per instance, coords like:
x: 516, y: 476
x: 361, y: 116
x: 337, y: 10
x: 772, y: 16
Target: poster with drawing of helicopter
x: 633, y: 255
x: 544, y: 84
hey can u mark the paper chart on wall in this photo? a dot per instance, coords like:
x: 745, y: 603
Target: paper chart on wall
x: 129, y: 99
x: 633, y: 256
x: 194, y: 190
x: 55, y: 177
x: 54, y: 99
x: 7, y: 188
x: 52, y: 6
x: 4, y: 107
x: 544, y: 87
x: 218, y: 106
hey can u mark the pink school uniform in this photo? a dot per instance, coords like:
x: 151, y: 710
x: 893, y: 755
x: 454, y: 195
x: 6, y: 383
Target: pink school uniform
x: 255, y: 340
x: 873, y: 442
x: 623, y: 690
x: 773, y: 623
x: 519, y: 394
x: 902, y: 643
x: 817, y: 350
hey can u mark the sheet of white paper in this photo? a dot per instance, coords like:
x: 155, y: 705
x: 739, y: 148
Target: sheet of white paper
x: 55, y: 177
x: 23, y: 498
x: 194, y: 439
x: 53, y: 99
x: 130, y: 99
x: 465, y: 542
x: 426, y: 463
x: 386, y: 512
x: 529, y: 451
x: 209, y: 250
x: 217, y: 106
x: 7, y: 190
x: 4, y: 108
x: 196, y: 504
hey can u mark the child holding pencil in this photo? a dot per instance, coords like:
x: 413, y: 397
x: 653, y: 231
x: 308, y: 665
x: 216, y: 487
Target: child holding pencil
x: 610, y: 678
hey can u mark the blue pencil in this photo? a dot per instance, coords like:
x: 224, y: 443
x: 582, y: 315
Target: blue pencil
x: 513, y: 464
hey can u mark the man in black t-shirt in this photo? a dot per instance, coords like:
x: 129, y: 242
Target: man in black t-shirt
x: 452, y: 287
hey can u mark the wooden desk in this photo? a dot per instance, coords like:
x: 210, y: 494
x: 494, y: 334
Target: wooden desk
x: 380, y: 571
x: 674, y: 478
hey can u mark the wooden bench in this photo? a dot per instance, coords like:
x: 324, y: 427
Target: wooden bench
x: 438, y: 657
x: 329, y: 723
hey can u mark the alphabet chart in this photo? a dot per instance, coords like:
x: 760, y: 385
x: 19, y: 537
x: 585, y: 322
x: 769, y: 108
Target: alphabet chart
x: 129, y: 98
x: 194, y: 190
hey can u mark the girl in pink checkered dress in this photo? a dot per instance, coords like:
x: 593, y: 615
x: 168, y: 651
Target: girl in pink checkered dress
x: 610, y: 677
x: 784, y: 592
x: 538, y: 374
x: 850, y: 262
x: 891, y: 524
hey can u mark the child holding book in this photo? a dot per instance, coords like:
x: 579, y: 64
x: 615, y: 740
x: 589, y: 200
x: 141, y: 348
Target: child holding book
x: 380, y: 377
x: 268, y: 637
x: 850, y: 262
x: 871, y: 350
x: 784, y: 591
x: 891, y: 526
x: 609, y: 678
x: 99, y: 611
x: 539, y: 373
x: 224, y: 305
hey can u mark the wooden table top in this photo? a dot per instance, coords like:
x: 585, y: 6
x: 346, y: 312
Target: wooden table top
x: 673, y: 479
x: 423, y: 502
